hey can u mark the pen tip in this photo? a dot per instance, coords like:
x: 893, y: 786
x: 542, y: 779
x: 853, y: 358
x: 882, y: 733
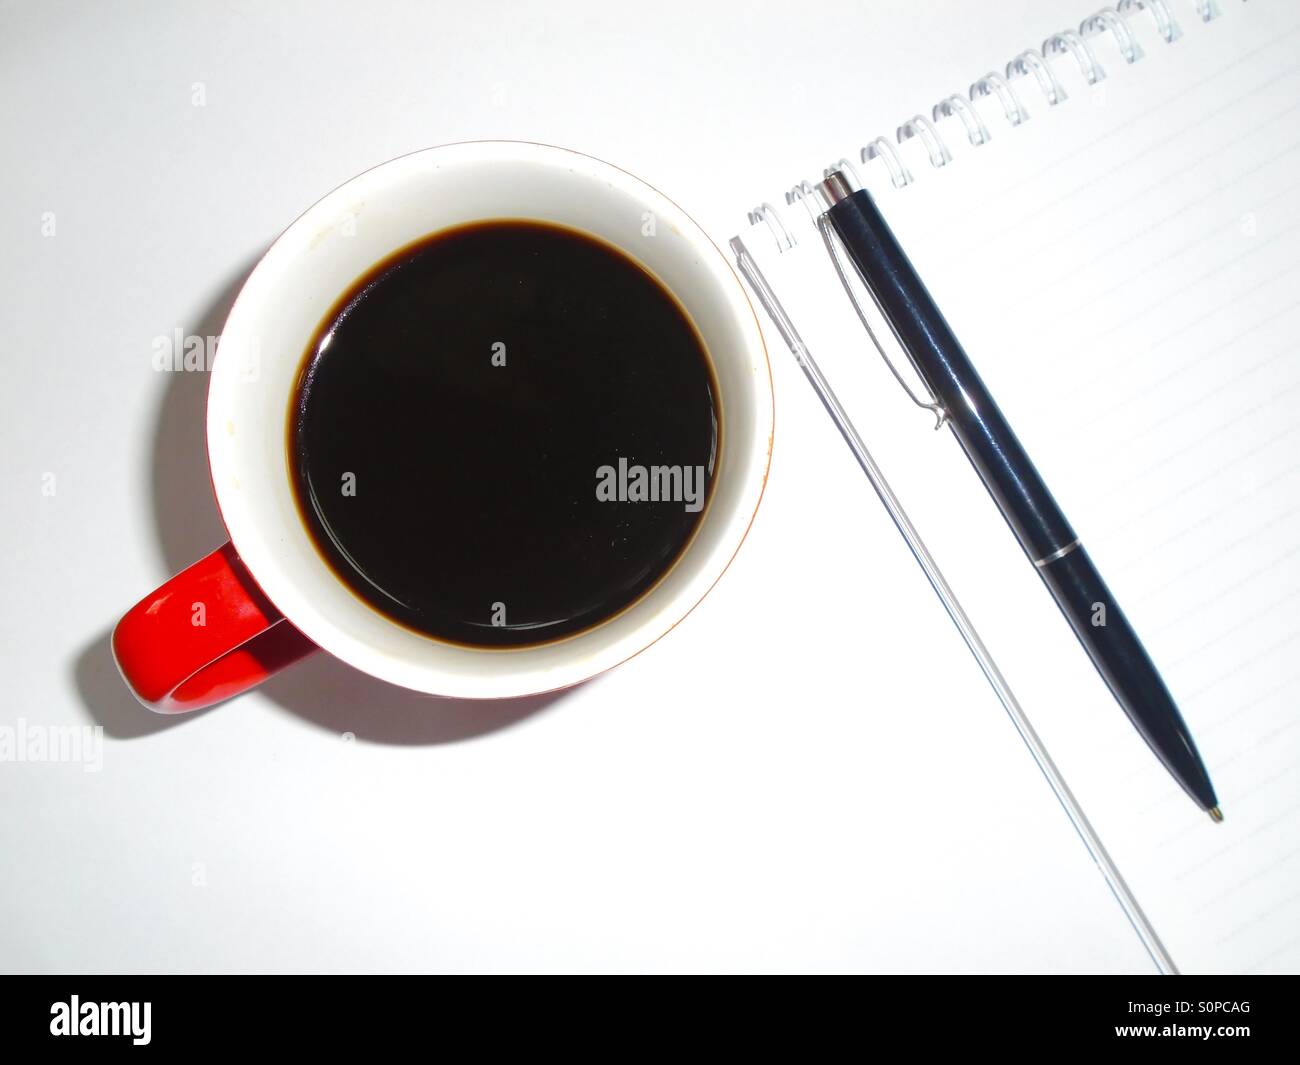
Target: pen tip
x: 1216, y: 815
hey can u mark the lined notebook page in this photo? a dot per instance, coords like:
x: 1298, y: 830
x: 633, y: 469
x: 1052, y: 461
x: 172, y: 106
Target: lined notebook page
x: 1124, y: 269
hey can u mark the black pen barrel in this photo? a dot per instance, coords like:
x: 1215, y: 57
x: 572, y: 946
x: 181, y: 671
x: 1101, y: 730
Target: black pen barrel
x: 1118, y: 655
x: 1019, y: 491
x: 976, y: 421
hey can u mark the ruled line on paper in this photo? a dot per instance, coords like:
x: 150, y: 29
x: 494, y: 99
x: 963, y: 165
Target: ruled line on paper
x: 1126, y: 166
x: 1011, y: 189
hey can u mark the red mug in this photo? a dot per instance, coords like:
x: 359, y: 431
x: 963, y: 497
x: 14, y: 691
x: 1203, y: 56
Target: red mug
x: 266, y: 598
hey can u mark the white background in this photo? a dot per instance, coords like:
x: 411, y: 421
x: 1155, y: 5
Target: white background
x: 796, y: 779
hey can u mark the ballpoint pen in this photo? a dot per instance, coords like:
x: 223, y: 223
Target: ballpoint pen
x: 962, y: 400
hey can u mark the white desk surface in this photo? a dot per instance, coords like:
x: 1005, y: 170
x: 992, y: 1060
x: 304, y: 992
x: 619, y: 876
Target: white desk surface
x: 748, y: 795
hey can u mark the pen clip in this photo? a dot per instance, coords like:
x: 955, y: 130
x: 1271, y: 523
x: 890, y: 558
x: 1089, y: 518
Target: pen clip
x: 835, y: 252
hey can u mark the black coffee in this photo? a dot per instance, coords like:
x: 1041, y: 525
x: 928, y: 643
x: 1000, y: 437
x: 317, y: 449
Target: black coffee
x: 504, y: 434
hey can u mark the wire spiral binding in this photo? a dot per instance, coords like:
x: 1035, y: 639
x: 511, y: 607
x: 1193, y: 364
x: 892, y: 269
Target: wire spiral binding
x: 1110, y: 25
x: 882, y: 149
x: 976, y: 131
x: 922, y: 127
x: 1032, y: 63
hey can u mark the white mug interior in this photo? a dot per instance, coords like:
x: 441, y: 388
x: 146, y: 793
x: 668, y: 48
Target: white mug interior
x: 335, y: 242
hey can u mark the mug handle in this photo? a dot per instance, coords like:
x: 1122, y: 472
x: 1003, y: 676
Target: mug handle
x: 207, y: 634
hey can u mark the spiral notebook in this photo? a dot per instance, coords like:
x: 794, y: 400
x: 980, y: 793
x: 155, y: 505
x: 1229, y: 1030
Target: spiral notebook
x: 1110, y: 225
